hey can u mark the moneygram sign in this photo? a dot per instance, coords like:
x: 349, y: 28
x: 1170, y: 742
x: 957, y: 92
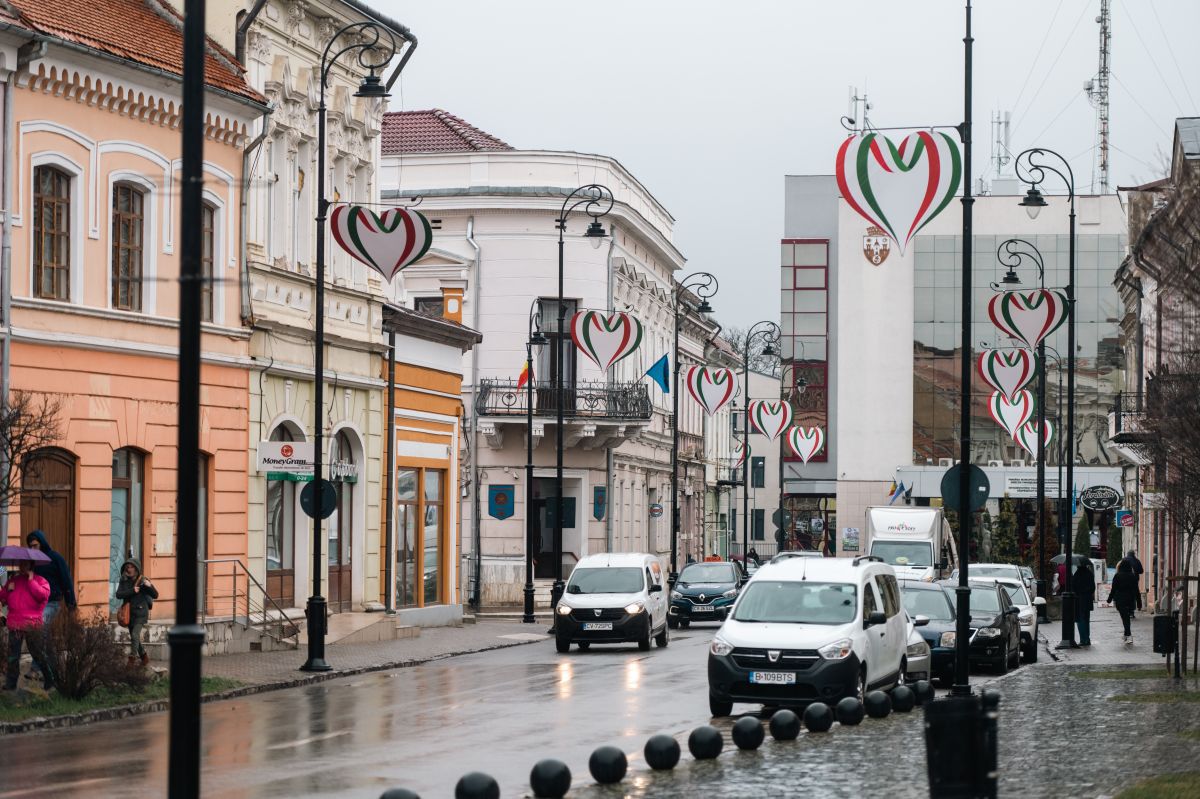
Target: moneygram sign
x: 286, y: 460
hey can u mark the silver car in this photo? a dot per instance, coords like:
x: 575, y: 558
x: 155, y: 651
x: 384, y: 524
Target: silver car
x: 918, y: 656
x: 1028, y: 615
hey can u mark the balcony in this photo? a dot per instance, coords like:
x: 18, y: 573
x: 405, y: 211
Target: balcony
x: 594, y: 414
x: 1127, y: 428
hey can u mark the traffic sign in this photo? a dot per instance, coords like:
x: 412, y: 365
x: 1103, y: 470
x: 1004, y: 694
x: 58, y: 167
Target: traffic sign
x: 785, y: 515
x: 1100, y: 498
x: 328, y: 499
x: 656, y: 510
x: 979, y: 490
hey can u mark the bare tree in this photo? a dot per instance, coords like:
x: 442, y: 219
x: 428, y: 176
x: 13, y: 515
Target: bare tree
x: 766, y: 364
x: 28, y: 423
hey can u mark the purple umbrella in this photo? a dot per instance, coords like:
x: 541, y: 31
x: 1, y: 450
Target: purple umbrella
x: 13, y: 556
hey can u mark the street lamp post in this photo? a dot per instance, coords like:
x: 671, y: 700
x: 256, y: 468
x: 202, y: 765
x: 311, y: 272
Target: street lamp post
x: 1032, y: 168
x: 597, y: 201
x: 375, y: 45
x: 704, y: 286
x: 534, y: 339
x: 769, y: 332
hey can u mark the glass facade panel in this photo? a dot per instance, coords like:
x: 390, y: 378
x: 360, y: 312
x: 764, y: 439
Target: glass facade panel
x: 808, y: 278
x: 811, y: 254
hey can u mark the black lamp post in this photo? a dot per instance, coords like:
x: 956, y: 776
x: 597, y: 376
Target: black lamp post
x: 769, y: 332
x: 535, y: 339
x: 597, y: 201
x: 704, y: 286
x: 375, y: 46
x: 1032, y: 168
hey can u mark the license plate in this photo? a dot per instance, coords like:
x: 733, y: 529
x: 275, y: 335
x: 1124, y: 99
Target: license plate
x: 702, y: 608
x: 773, y: 678
x: 597, y: 625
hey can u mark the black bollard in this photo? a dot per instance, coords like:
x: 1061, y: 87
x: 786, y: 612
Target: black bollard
x: 661, y: 752
x: 608, y: 765
x: 550, y: 779
x: 398, y: 793
x: 818, y: 717
x: 849, y: 711
x: 990, y: 740
x: 476, y: 785
x: 785, y: 725
x: 878, y: 704
x: 924, y: 691
x: 705, y: 742
x: 748, y: 733
x: 953, y: 750
x: 903, y: 699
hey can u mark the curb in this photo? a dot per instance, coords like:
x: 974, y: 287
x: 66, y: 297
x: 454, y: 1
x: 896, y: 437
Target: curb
x: 140, y: 708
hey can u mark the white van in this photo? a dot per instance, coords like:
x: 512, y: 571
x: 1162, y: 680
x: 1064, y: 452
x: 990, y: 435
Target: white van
x: 810, y: 629
x: 613, y: 599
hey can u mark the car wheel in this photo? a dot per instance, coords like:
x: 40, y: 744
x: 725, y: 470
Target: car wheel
x: 672, y: 623
x: 1031, y: 654
x: 1001, y: 663
x: 584, y: 646
x: 644, y: 641
x: 562, y: 644
x: 902, y: 675
x: 1014, y: 659
x: 663, y: 638
x: 719, y: 707
x: 860, y: 684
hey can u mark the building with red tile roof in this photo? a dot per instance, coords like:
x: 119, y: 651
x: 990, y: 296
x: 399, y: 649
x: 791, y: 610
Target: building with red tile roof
x: 434, y: 131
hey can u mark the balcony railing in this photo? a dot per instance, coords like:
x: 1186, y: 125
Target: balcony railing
x: 1127, y: 419
x: 582, y: 401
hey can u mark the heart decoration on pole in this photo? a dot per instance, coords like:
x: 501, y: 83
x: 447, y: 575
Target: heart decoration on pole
x: 739, y: 452
x: 899, y: 189
x: 712, y: 387
x: 1011, y: 414
x: 606, y: 339
x: 806, y: 442
x: 1027, y: 436
x: 1007, y: 371
x: 770, y: 418
x: 386, y: 242
x: 1029, y: 316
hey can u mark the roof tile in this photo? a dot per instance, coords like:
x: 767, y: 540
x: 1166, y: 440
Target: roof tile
x: 434, y: 131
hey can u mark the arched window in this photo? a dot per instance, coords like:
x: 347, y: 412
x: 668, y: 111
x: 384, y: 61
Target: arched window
x: 281, y: 533
x: 51, y: 233
x: 128, y: 225
x: 208, y: 244
x: 343, y: 472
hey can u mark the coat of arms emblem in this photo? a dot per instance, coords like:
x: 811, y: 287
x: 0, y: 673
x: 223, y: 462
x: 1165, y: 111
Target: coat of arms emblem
x: 876, y: 245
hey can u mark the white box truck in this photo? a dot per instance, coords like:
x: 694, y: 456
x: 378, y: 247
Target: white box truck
x: 915, y: 541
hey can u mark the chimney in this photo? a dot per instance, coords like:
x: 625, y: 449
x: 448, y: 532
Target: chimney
x: 452, y: 304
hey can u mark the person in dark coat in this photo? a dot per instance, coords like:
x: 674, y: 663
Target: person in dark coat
x: 62, y: 588
x: 139, y: 593
x: 1132, y: 559
x: 1125, y: 595
x: 1083, y: 583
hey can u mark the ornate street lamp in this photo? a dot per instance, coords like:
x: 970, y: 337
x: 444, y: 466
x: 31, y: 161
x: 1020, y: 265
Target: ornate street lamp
x: 374, y: 46
x: 534, y: 339
x: 769, y: 332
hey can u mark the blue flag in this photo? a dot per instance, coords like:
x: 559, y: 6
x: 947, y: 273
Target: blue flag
x: 659, y: 372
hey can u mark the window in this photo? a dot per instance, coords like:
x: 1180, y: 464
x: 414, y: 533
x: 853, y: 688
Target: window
x: 434, y: 306
x: 420, y: 495
x: 51, y: 233
x: 758, y: 472
x: 208, y: 242
x: 127, y: 229
x: 125, y: 517
x: 760, y: 524
x: 549, y: 321
x: 281, y: 531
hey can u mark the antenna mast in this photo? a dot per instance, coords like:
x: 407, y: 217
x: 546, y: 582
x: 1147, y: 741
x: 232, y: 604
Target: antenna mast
x: 1097, y: 90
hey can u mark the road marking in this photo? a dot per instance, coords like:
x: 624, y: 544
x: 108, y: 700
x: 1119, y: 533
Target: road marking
x: 525, y: 637
x: 303, y: 741
x: 42, y: 790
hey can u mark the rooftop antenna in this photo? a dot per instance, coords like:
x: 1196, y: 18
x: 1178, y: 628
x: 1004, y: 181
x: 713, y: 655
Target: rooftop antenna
x: 859, y: 108
x: 1001, y: 139
x: 1097, y: 93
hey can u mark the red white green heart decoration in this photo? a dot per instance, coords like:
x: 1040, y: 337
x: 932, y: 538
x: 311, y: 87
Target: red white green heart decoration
x: 712, y: 387
x: 740, y: 452
x: 770, y: 418
x: 386, y: 242
x: 1011, y: 414
x: 806, y: 442
x: 606, y: 339
x: 899, y: 188
x: 1027, y: 436
x: 1007, y: 371
x: 1029, y: 316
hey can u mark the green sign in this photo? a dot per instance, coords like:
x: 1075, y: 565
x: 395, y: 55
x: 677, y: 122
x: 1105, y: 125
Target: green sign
x: 290, y: 477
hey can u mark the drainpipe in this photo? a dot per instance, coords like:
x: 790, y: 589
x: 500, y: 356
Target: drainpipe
x: 243, y: 265
x: 6, y: 278
x: 243, y: 28
x: 388, y: 523
x: 473, y: 442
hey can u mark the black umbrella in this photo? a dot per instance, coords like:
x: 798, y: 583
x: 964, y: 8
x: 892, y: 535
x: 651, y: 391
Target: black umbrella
x: 1078, y: 560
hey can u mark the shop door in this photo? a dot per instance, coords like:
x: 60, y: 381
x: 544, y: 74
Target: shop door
x: 341, y: 571
x: 48, y: 500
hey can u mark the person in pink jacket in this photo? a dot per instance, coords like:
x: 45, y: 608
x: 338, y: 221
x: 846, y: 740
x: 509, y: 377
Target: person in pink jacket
x: 25, y: 594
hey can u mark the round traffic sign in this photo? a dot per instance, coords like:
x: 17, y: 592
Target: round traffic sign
x: 1100, y: 498
x: 328, y: 499
x: 656, y: 510
x: 980, y: 487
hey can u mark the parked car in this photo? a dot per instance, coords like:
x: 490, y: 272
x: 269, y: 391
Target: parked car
x: 809, y: 629
x: 1009, y: 570
x: 797, y: 553
x: 613, y: 599
x: 704, y: 592
x: 929, y: 601
x: 1028, y: 616
x: 917, y: 654
x: 995, y: 629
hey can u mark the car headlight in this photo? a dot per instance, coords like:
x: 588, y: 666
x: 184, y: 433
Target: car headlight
x: 720, y: 647
x: 838, y: 650
x: 989, y: 632
x: 676, y: 595
x: 1026, y: 619
x: 563, y: 610
x: 917, y: 649
x: 633, y: 608
x: 948, y: 638
x: 730, y: 594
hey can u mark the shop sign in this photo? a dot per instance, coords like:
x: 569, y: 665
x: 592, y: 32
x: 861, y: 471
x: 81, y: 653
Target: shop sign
x: 343, y: 472
x: 286, y: 460
x: 1100, y: 498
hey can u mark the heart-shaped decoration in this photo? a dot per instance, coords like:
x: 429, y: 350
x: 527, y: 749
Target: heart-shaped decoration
x: 769, y: 417
x: 711, y: 387
x: 386, y: 242
x: 1011, y: 414
x: 899, y: 189
x: 806, y: 442
x: 606, y: 339
x: 1029, y: 316
x: 1027, y: 436
x: 740, y: 452
x: 1007, y: 371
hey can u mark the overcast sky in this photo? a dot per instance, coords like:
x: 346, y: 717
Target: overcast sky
x: 710, y: 104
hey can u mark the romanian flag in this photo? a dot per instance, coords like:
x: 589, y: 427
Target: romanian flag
x: 524, y: 378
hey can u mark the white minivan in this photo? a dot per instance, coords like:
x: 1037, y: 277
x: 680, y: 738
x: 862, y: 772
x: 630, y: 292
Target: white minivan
x: 613, y: 598
x: 810, y: 629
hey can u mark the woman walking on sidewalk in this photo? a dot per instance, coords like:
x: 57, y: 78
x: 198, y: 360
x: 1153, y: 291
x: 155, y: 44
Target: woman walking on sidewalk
x: 1125, y: 595
x: 1083, y: 583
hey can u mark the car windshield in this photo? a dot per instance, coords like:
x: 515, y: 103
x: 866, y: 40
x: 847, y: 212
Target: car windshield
x: 797, y: 602
x: 984, y: 599
x: 932, y: 604
x: 708, y: 573
x: 625, y: 580
x: 1016, y: 593
x: 975, y: 570
x: 903, y: 553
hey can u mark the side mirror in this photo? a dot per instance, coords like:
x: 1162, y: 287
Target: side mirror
x: 1012, y: 610
x: 941, y: 565
x: 655, y: 588
x: 875, y: 617
x: 920, y: 621
x: 1040, y: 601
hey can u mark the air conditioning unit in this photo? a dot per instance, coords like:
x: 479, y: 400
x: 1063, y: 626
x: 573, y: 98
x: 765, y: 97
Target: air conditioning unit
x: 995, y: 464
x: 947, y: 462
x: 1016, y: 463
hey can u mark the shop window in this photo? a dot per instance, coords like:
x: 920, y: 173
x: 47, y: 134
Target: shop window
x: 281, y: 533
x: 420, y: 523
x: 51, y: 233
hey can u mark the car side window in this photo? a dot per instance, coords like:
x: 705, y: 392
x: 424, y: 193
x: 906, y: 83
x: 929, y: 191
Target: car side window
x: 891, y: 595
x: 649, y: 578
x: 869, y: 603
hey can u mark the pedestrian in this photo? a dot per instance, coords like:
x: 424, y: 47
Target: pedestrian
x: 1132, y: 558
x: 62, y: 588
x: 1125, y: 595
x: 1083, y: 583
x: 1061, y: 574
x: 752, y: 555
x: 139, y: 593
x: 690, y: 559
x: 25, y: 594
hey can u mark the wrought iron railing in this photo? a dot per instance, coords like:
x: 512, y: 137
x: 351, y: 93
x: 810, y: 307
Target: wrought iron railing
x: 1128, y: 414
x: 584, y: 400
x: 232, y: 592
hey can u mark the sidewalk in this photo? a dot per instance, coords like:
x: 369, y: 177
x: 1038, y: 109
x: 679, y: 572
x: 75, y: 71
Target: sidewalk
x: 1108, y: 648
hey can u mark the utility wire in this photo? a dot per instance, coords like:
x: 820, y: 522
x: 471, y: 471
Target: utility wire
x: 1186, y: 87
x: 1154, y: 61
x: 1050, y: 71
x: 1036, y: 58
x: 1133, y: 97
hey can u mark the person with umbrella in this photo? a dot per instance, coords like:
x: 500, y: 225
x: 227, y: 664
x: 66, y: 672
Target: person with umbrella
x: 62, y: 587
x: 25, y: 595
